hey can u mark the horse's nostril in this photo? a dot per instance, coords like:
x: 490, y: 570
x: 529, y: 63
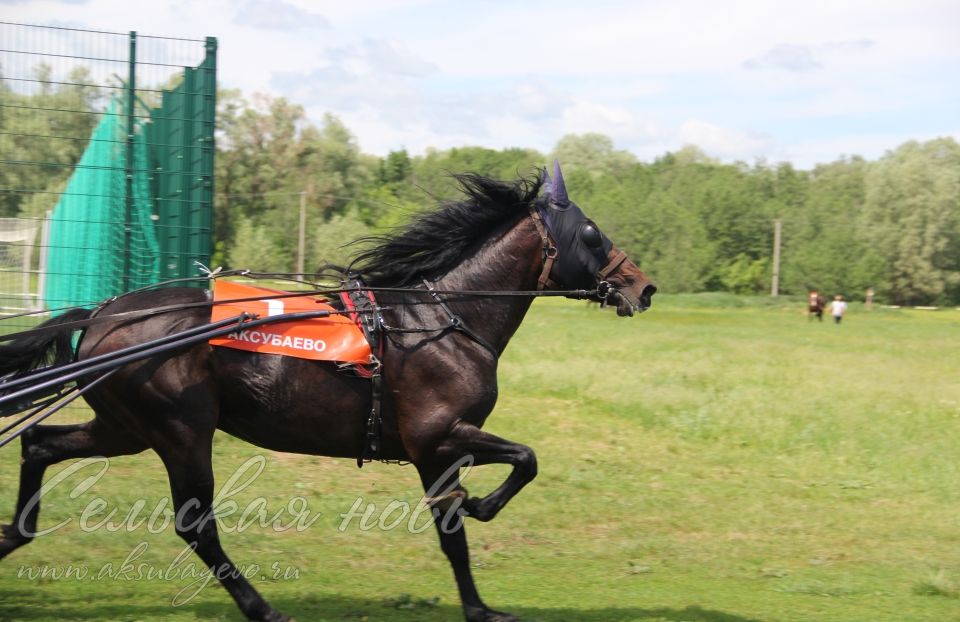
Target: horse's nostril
x: 647, y: 294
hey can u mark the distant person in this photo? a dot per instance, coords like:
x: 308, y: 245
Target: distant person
x: 868, y: 301
x: 837, y: 308
x: 815, y: 305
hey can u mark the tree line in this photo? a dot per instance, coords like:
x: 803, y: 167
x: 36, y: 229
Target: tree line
x: 692, y: 222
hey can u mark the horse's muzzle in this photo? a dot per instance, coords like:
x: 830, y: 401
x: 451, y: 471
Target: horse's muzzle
x: 627, y: 307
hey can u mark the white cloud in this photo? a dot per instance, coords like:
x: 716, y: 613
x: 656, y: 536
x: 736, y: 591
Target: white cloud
x: 277, y: 15
x: 652, y: 75
x: 723, y: 142
x: 382, y: 57
x: 808, y: 153
x: 787, y: 57
x: 623, y: 123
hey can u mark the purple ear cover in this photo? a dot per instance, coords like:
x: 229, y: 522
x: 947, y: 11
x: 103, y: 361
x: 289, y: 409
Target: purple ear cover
x: 558, y: 189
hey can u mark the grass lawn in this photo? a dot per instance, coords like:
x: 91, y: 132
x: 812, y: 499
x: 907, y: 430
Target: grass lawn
x: 717, y: 459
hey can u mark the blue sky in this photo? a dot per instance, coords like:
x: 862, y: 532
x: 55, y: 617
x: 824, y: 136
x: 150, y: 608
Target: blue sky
x: 800, y: 81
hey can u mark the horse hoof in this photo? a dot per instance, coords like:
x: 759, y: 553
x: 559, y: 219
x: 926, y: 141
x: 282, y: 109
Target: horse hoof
x: 489, y: 615
x: 276, y: 616
x: 11, y: 540
x: 7, y: 547
x: 476, y: 510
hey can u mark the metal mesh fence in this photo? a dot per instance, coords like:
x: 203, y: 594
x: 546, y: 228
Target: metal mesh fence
x: 106, y: 163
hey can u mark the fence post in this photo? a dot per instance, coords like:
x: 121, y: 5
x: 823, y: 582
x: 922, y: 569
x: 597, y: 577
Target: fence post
x: 203, y: 249
x: 128, y: 185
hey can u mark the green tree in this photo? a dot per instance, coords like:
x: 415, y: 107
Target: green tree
x: 745, y: 275
x: 694, y: 223
x: 255, y: 249
x: 396, y: 167
x: 593, y: 153
x: 821, y: 248
x: 671, y: 244
x: 432, y: 181
x: 730, y: 205
x: 268, y: 154
x: 911, y: 218
x: 43, y: 146
x: 333, y: 239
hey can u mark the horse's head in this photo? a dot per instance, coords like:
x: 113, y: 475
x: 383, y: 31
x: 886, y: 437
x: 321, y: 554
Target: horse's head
x: 580, y: 256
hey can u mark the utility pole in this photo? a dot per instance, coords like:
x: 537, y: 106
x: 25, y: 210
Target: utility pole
x: 775, y: 285
x: 301, y: 233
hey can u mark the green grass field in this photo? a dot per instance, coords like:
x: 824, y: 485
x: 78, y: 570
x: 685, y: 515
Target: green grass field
x: 716, y: 459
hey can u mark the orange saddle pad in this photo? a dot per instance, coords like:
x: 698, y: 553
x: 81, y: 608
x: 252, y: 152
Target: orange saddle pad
x: 332, y: 338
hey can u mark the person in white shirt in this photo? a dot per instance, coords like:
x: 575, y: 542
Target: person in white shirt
x: 837, y: 308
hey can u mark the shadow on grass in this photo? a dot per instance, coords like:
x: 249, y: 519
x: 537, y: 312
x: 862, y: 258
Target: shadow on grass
x: 28, y: 605
x: 628, y: 614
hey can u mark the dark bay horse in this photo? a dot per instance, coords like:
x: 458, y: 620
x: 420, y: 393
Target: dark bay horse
x: 438, y: 386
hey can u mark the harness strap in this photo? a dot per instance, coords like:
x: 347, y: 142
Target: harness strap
x: 549, y: 252
x: 604, y: 289
x: 371, y: 447
x: 612, y: 265
x: 456, y: 322
x: 366, y: 313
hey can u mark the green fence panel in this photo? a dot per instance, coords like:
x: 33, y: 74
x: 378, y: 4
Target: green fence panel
x: 138, y: 208
x: 90, y: 229
x: 182, y: 131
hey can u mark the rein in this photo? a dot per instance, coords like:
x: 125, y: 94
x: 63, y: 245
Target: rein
x: 550, y: 253
x: 133, y: 315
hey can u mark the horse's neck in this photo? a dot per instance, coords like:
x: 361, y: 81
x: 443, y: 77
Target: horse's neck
x: 508, y: 262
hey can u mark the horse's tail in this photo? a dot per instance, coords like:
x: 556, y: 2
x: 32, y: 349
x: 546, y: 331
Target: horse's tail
x: 47, y: 347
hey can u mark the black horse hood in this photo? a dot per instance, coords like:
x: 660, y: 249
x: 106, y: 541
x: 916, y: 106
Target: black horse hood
x: 582, y: 249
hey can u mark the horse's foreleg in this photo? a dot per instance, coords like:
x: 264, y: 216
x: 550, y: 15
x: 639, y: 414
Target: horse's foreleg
x: 187, y: 457
x: 453, y: 542
x: 469, y: 442
x: 45, y: 445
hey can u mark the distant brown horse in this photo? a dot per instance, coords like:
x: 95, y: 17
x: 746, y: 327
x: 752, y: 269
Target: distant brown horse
x: 815, y: 303
x: 439, y: 373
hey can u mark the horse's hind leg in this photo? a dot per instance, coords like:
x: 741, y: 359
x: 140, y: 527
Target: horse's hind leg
x: 44, y: 445
x: 187, y: 456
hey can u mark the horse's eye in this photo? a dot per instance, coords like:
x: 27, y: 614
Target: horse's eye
x: 590, y: 235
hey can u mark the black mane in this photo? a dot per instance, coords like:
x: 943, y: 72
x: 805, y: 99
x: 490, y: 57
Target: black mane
x: 436, y: 241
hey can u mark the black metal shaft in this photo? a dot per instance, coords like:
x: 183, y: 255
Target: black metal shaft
x: 62, y: 369
x: 68, y: 399
x: 151, y: 348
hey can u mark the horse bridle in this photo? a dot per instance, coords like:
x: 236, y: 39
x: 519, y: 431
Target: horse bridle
x: 550, y: 252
